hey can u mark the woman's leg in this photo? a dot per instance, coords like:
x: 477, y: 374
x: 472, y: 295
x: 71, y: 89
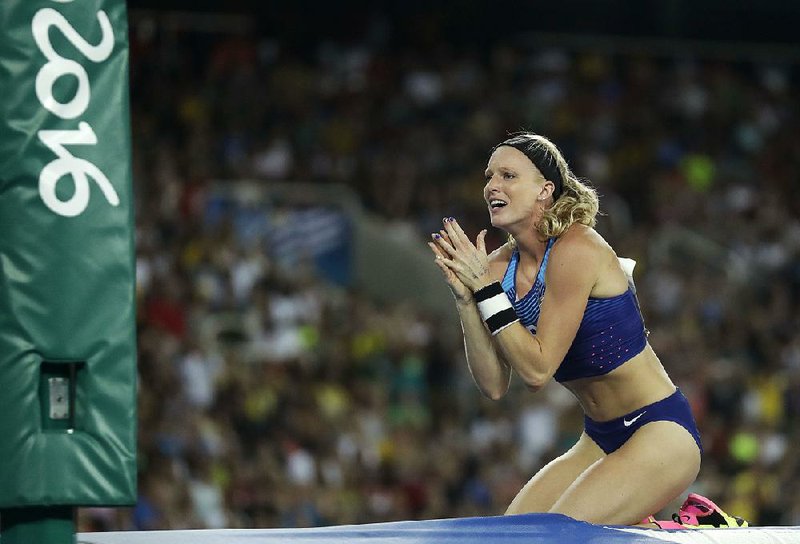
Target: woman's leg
x: 544, y: 489
x: 657, y: 463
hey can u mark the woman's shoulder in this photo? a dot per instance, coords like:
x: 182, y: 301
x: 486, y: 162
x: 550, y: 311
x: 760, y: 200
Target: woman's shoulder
x: 502, y: 254
x: 581, y: 248
x: 583, y: 240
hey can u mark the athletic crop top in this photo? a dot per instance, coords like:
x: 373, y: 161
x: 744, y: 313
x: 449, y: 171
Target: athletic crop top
x: 611, y: 331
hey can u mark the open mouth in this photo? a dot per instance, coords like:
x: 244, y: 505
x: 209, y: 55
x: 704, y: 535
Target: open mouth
x: 496, y: 204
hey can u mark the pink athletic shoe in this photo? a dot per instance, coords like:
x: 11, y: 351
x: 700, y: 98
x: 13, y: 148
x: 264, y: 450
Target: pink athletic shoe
x: 699, y: 512
x: 662, y: 524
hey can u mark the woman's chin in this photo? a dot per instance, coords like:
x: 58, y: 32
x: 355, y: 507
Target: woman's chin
x: 496, y: 221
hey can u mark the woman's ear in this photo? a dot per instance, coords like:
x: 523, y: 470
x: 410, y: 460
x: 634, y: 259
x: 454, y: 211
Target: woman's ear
x: 547, y: 190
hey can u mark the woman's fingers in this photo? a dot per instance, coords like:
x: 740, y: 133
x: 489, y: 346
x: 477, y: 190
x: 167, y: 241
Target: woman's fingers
x: 480, y: 241
x: 443, y: 242
x: 448, y: 274
x: 449, y: 228
x: 437, y: 250
x: 441, y: 256
x: 459, y: 239
x: 457, y: 235
x: 460, y: 291
x: 446, y: 265
x: 466, y: 260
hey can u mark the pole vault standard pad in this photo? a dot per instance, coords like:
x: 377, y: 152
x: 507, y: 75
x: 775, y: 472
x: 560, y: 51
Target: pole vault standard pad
x: 67, y: 319
x: 526, y: 528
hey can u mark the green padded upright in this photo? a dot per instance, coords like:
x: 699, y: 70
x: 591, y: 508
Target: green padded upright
x: 67, y: 316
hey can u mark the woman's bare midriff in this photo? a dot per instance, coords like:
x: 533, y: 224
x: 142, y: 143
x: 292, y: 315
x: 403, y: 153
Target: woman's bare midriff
x: 638, y: 382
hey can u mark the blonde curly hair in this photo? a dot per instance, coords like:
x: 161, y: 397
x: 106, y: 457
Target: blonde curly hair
x: 574, y: 200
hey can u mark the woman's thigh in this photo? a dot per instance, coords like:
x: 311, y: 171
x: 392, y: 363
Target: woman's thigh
x: 546, y: 487
x: 656, y: 464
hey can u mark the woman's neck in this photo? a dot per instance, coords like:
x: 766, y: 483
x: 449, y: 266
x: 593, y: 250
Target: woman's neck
x: 531, y: 245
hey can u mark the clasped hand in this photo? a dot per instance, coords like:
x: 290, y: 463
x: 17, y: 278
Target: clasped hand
x: 465, y: 265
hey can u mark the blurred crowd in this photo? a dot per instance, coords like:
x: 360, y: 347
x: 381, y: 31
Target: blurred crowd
x: 270, y: 397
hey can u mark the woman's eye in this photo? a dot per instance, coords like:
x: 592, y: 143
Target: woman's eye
x: 508, y: 175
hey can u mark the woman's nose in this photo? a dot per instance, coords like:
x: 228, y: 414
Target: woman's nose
x: 490, y: 184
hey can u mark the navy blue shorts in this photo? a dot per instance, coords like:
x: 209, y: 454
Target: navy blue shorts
x: 610, y: 435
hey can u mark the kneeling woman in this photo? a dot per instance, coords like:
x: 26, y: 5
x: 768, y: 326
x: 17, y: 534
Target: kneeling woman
x: 556, y: 302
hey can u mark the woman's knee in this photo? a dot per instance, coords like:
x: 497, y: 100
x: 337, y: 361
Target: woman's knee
x: 547, y: 486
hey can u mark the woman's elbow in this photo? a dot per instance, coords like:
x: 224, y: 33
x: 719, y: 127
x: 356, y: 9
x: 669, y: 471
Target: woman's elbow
x: 496, y: 391
x: 536, y: 380
x: 495, y: 394
x: 533, y: 387
x: 537, y: 373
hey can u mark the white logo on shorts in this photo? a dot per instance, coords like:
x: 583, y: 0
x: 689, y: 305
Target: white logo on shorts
x: 629, y: 422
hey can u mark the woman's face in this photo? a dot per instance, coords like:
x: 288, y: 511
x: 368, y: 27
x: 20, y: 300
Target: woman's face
x: 515, y: 190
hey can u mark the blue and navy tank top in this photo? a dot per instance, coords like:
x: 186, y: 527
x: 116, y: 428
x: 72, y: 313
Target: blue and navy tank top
x: 611, y: 332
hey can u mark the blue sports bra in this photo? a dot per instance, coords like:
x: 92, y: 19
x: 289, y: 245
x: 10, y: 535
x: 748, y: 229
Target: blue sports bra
x: 611, y: 332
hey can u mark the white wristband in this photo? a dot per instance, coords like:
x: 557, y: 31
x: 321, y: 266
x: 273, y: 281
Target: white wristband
x: 495, y: 308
